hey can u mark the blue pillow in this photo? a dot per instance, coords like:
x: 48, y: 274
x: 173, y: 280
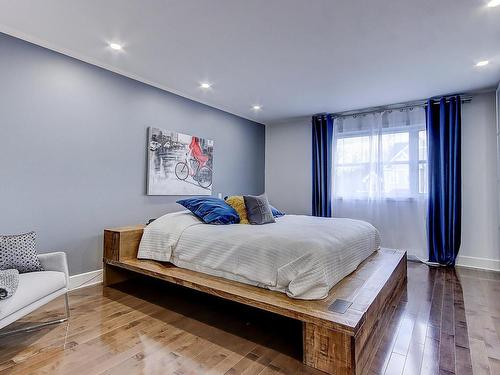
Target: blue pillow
x: 211, y: 210
x: 276, y: 212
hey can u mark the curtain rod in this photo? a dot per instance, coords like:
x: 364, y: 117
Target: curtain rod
x: 465, y: 98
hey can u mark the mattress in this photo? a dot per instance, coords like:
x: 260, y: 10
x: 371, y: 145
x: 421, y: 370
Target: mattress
x: 302, y: 256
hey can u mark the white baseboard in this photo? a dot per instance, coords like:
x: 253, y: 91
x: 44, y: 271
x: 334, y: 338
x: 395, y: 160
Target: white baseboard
x: 469, y: 262
x: 85, y: 279
x: 412, y: 257
x: 480, y: 263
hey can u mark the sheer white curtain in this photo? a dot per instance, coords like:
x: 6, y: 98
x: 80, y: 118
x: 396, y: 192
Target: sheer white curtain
x: 380, y: 175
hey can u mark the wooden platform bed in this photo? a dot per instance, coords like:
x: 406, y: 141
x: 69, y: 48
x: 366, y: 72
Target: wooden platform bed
x: 335, y: 342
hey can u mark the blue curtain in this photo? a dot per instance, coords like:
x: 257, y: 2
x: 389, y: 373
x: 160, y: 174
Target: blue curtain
x: 322, y: 138
x: 445, y: 195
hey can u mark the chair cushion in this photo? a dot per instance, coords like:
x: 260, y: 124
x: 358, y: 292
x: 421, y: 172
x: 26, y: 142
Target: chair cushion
x: 32, y: 287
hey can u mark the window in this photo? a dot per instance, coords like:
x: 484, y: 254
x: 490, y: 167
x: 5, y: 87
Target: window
x: 380, y: 156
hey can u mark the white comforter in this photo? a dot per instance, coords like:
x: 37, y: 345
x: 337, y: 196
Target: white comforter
x: 302, y: 256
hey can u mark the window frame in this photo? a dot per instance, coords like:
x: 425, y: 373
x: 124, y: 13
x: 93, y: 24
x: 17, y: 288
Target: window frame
x: 414, y: 162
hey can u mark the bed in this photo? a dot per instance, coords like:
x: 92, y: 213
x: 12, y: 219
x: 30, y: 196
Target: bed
x: 327, y: 273
x: 302, y: 256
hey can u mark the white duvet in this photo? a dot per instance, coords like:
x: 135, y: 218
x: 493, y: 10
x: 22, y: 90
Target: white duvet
x: 302, y: 256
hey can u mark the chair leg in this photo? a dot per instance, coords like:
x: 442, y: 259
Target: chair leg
x: 66, y: 305
x: 41, y: 325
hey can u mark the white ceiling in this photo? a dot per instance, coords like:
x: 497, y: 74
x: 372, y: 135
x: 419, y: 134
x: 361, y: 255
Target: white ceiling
x: 294, y: 57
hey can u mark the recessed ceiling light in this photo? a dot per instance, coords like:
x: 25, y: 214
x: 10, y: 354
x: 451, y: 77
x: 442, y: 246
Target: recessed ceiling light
x: 205, y: 85
x: 494, y: 3
x: 257, y: 107
x: 483, y: 63
x: 115, y: 46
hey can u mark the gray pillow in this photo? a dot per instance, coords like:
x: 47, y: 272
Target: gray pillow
x: 19, y: 252
x: 258, y: 209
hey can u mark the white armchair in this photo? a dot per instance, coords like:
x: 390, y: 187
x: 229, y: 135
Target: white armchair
x: 35, y: 290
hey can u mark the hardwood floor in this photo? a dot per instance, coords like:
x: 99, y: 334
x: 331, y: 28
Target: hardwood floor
x: 447, y: 322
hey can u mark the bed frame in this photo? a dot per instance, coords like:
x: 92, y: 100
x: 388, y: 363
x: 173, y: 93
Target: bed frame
x: 341, y: 333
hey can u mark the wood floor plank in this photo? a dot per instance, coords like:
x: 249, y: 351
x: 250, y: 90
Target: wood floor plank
x: 413, y: 363
x: 463, y: 361
x: 254, y: 362
x: 404, y: 335
x: 480, y: 363
x: 430, y: 360
x: 494, y: 365
x: 396, y: 364
x: 447, y: 352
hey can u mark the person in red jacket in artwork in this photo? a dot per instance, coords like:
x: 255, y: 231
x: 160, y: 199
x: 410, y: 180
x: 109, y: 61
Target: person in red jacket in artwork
x: 197, y: 153
x: 201, y: 173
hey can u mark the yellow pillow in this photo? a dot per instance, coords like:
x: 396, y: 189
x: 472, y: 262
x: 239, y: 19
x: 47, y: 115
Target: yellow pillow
x: 238, y: 203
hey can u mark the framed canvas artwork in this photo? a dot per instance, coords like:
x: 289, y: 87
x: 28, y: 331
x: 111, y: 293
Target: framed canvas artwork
x: 179, y: 164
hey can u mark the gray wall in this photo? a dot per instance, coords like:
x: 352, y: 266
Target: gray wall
x: 73, y: 149
x: 288, y: 169
x: 480, y: 219
x: 288, y: 165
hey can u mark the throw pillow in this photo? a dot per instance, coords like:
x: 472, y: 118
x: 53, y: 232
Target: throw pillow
x: 238, y: 203
x: 276, y: 212
x: 211, y: 210
x: 19, y: 252
x: 258, y: 209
